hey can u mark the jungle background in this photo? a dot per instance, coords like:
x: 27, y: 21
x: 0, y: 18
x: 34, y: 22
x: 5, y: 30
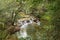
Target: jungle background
x: 48, y: 12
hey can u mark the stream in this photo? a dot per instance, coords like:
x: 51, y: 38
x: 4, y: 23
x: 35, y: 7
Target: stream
x: 23, y: 27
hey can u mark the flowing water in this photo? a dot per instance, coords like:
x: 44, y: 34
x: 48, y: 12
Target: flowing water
x: 23, y: 28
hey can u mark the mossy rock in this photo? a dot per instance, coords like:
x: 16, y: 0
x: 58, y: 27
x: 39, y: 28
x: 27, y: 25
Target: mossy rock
x: 12, y: 37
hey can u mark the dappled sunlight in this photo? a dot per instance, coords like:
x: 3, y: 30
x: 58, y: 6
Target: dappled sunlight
x: 29, y: 19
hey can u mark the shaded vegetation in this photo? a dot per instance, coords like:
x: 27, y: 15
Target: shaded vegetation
x: 47, y: 11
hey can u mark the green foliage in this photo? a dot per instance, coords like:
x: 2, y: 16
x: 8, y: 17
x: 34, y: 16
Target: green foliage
x: 48, y: 11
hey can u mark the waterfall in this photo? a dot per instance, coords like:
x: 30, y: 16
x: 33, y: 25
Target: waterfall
x: 23, y: 28
x: 23, y: 32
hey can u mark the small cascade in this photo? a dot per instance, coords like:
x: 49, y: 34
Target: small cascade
x: 23, y: 28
